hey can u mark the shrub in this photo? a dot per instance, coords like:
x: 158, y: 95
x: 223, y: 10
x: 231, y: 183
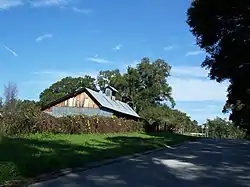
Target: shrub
x: 220, y: 128
x: 31, y: 120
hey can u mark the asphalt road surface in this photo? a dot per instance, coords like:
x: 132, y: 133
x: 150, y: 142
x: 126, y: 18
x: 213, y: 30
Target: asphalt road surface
x: 207, y: 163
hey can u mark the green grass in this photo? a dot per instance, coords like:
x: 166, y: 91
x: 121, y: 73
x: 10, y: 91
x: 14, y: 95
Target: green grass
x: 31, y: 155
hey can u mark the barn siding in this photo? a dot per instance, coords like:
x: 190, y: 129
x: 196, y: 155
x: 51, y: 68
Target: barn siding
x: 80, y: 100
x: 63, y: 111
x: 78, y: 105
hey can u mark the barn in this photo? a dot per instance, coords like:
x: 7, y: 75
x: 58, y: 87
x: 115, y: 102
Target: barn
x: 89, y: 102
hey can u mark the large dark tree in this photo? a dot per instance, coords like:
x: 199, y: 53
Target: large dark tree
x: 222, y: 29
x: 65, y: 86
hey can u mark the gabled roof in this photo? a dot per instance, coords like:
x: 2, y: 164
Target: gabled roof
x: 112, y: 88
x: 102, y: 99
x: 115, y: 105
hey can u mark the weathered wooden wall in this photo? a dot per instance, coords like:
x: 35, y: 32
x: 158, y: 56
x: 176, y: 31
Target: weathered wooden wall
x: 80, y: 101
x: 80, y: 104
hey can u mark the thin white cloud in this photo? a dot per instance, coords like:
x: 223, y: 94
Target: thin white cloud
x: 194, y: 53
x: 61, y: 74
x: 83, y: 11
x: 134, y: 63
x: 189, y: 71
x: 10, y: 50
x: 168, y: 48
x: 98, y: 60
x: 192, y: 43
x: 197, y: 90
x: 201, y: 110
x: 117, y: 47
x: 196, y: 94
x: 124, y: 66
x: 43, y: 3
x: 7, y: 4
x: 191, y: 84
x: 46, y: 36
x: 45, y: 78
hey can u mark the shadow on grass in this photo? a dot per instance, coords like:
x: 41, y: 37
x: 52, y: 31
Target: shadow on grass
x: 23, y: 158
x: 204, y: 162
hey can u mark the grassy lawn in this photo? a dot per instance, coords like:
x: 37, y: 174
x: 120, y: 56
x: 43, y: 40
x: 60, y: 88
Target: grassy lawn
x: 31, y: 155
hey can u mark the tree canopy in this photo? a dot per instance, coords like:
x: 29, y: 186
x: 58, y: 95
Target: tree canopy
x: 222, y: 30
x: 65, y: 86
x: 220, y: 128
x: 167, y: 119
x: 143, y: 86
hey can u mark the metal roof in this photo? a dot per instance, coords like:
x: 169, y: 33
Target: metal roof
x: 112, y: 88
x: 115, y: 105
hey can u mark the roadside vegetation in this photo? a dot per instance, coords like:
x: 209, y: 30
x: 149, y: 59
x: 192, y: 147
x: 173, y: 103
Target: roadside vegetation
x: 28, y: 156
x: 223, y: 129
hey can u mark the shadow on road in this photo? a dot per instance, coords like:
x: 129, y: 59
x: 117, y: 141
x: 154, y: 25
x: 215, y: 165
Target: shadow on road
x: 201, y: 163
x: 207, y: 163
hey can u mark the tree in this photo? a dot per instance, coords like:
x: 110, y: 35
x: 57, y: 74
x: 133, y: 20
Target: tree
x: 1, y: 102
x: 113, y: 78
x: 153, y: 87
x: 167, y: 119
x: 220, y: 128
x: 65, y: 86
x: 143, y: 86
x: 110, y: 77
x: 10, y: 97
x: 222, y: 30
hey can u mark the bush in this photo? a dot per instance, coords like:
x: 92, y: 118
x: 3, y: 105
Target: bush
x: 220, y: 128
x: 31, y: 120
x: 163, y: 118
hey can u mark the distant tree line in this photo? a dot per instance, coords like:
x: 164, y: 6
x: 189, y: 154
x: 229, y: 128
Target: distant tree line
x: 144, y: 87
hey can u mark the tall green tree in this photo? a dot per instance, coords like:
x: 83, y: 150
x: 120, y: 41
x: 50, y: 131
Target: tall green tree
x: 143, y: 86
x: 110, y: 77
x: 113, y: 78
x: 222, y: 30
x: 65, y: 86
x: 153, y: 87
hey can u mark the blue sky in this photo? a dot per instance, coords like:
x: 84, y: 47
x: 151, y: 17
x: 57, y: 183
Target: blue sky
x: 42, y: 41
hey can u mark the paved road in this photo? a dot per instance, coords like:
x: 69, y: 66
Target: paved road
x: 207, y: 163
